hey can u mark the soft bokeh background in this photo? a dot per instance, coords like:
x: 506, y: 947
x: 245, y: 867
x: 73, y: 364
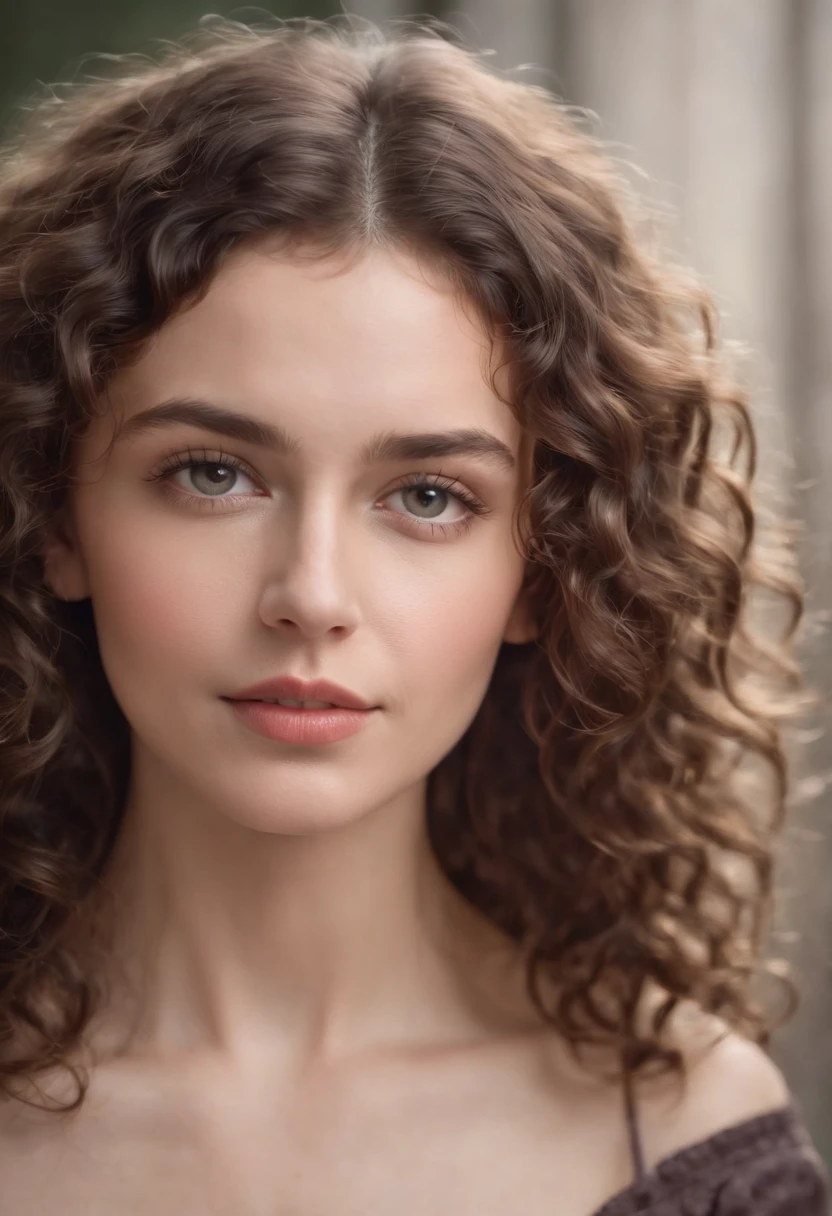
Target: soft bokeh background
x: 726, y: 105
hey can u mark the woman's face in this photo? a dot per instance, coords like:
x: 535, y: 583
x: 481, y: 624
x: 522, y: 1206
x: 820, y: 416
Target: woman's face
x: 314, y: 557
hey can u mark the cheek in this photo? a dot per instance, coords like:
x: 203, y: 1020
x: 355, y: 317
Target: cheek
x: 171, y: 609
x: 161, y: 605
x: 451, y: 629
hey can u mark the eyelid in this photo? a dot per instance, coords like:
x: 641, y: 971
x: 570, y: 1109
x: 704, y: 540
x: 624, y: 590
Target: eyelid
x: 181, y: 460
x: 442, y: 481
x: 184, y: 459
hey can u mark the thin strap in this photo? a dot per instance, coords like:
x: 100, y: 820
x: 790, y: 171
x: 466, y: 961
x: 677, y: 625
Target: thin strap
x: 633, y: 1128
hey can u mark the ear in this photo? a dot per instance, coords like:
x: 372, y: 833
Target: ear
x: 63, y: 566
x: 521, y: 625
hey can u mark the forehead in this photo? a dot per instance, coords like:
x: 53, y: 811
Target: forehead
x: 327, y: 348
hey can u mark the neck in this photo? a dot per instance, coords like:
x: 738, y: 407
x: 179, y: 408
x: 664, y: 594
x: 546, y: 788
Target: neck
x: 315, y: 946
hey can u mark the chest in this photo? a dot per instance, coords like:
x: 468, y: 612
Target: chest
x: 367, y: 1152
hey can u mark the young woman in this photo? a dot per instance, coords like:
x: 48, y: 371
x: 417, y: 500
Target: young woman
x: 377, y: 663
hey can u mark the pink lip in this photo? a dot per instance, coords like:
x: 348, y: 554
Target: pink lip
x: 289, y: 724
x: 302, y: 690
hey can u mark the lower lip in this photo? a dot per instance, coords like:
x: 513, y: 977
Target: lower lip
x: 290, y: 725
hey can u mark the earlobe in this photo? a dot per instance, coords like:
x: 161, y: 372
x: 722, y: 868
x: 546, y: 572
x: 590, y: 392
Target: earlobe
x: 62, y: 565
x: 520, y: 626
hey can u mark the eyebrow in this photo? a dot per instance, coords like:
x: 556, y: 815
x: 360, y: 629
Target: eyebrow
x: 385, y: 446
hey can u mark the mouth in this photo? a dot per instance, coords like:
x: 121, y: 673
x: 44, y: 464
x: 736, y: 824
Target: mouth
x: 293, y: 693
x: 302, y: 723
x: 289, y: 703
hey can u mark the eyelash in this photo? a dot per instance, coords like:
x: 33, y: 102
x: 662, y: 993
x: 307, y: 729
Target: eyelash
x: 190, y: 458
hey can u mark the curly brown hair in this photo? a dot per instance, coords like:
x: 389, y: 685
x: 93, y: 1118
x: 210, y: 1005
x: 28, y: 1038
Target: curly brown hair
x: 595, y: 809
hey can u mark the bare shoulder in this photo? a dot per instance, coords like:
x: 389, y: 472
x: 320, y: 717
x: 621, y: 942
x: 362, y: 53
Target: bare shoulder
x: 729, y: 1080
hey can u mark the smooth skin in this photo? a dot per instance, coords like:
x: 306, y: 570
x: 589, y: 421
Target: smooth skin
x: 307, y: 1019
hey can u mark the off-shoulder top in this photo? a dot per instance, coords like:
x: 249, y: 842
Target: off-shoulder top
x: 764, y: 1166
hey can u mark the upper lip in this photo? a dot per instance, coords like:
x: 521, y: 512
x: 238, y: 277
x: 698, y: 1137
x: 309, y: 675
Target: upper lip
x: 302, y: 690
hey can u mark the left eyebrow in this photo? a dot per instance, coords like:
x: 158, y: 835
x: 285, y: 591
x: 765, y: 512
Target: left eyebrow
x: 385, y: 446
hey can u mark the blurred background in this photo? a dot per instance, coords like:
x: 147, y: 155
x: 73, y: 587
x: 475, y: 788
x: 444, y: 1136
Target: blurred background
x: 725, y: 106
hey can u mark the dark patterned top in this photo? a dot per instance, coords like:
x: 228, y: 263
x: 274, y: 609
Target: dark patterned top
x: 765, y: 1166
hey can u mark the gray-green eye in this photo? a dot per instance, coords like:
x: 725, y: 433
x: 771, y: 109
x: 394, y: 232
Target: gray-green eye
x: 431, y: 499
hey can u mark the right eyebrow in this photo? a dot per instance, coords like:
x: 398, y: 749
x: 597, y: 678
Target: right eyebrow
x: 385, y: 446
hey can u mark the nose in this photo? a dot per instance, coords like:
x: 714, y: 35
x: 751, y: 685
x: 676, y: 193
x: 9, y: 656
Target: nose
x: 312, y: 588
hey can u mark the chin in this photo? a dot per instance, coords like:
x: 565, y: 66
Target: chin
x: 292, y: 820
